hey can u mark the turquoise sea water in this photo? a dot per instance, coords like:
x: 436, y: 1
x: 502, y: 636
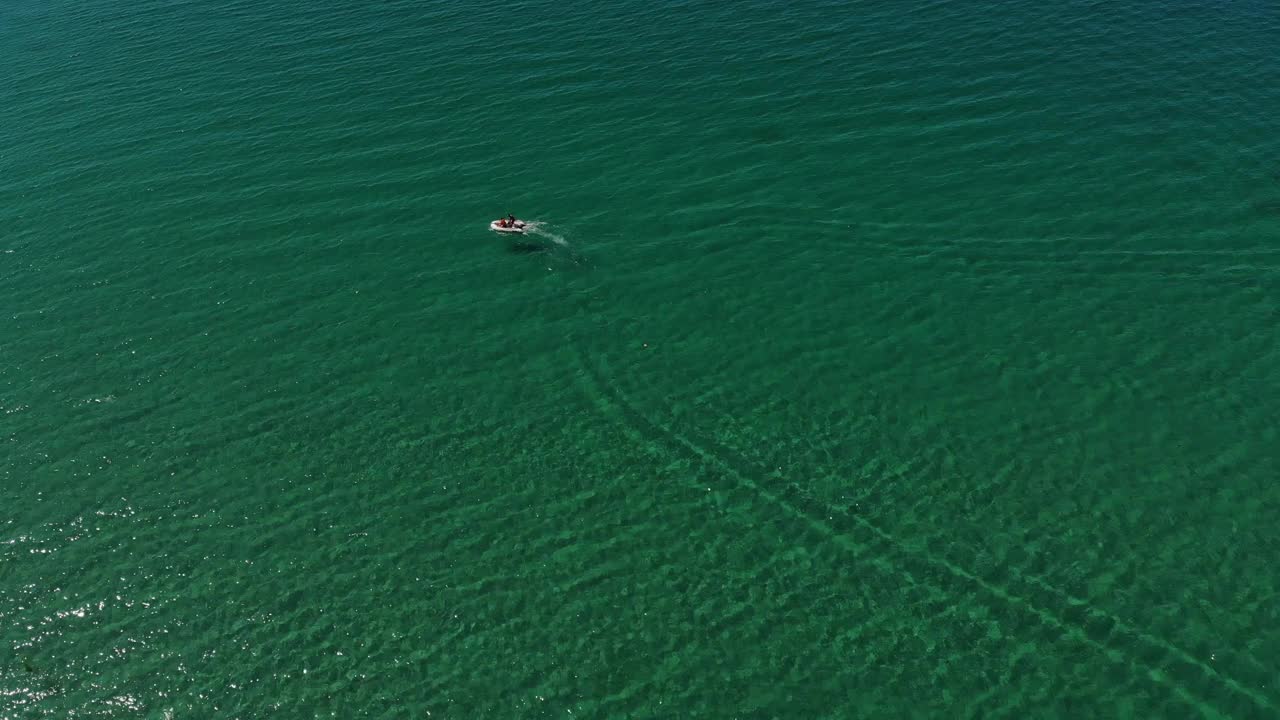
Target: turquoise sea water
x: 870, y: 360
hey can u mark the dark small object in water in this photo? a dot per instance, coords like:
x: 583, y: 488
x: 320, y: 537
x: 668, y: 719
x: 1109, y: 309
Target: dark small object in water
x: 527, y: 248
x: 1270, y: 206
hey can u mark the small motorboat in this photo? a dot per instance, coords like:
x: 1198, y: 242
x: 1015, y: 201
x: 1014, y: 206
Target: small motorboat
x: 508, y: 226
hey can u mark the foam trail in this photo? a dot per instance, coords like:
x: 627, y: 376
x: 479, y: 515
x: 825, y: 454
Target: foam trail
x: 534, y: 227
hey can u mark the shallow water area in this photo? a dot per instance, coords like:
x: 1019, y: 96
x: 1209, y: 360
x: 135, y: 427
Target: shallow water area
x: 856, y: 362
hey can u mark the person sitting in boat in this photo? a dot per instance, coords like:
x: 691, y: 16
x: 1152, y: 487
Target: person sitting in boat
x: 511, y: 220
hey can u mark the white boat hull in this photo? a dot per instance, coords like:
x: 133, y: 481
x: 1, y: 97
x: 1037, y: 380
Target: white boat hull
x: 518, y: 229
